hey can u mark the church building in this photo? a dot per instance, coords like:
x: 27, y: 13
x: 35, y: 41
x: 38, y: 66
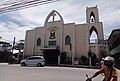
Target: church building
x: 57, y: 41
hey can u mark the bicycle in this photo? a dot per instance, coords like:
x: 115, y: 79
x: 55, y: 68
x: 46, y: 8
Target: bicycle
x: 88, y: 79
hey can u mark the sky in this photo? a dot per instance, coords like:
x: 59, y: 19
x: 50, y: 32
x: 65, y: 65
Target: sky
x: 15, y: 23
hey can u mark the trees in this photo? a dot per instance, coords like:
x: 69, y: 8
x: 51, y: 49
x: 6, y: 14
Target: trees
x: 19, y: 45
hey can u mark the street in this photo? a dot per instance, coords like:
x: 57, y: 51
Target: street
x: 47, y: 73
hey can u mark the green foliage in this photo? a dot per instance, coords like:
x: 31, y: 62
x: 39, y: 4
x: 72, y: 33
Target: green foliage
x: 63, y: 57
x: 20, y: 45
x: 84, y: 60
x: 68, y: 60
x: 103, y: 53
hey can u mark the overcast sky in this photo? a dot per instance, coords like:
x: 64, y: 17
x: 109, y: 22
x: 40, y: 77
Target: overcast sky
x: 15, y: 24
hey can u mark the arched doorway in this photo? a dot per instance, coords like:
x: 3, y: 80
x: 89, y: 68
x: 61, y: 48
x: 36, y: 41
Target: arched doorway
x: 51, y: 56
x: 93, y: 38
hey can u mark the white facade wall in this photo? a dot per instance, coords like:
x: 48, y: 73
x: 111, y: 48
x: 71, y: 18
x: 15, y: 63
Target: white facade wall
x: 69, y: 29
x: 39, y: 34
x: 81, y: 40
x: 29, y: 42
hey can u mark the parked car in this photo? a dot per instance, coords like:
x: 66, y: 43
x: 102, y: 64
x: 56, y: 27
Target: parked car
x: 33, y: 61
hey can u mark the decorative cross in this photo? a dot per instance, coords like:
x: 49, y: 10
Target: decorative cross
x: 53, y: 18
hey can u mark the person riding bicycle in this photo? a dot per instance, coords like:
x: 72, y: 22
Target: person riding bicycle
x: 108, y: 71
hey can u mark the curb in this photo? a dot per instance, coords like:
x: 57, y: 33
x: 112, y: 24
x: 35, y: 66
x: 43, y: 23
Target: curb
x: 78, y: 66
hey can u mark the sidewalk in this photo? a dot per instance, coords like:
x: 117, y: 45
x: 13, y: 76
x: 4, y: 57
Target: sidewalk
x: 2, y: 63
x: 77, y: 66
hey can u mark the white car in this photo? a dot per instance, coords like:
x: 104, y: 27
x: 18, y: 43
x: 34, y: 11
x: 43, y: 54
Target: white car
x: 33, y: 61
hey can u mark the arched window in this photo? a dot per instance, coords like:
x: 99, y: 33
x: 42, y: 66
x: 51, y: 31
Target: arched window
x: 92, y: 17
x: 38, y: 42
x: 67, y: 40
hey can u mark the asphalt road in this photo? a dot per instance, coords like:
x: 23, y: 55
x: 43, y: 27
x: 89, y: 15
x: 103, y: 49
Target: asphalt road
x: 47, y: 73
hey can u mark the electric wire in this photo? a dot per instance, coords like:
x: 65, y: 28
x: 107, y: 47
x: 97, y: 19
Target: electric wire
x: 23, y: 5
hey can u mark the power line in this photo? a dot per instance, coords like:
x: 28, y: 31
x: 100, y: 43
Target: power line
x: 26, y: 4
x: 9, y: 2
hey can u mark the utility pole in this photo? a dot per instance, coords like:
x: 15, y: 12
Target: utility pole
x: 13, y: 44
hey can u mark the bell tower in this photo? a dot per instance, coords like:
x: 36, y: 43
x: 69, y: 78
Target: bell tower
x: 92, y: 15
x: 95, y: 30
x: 92, y: 19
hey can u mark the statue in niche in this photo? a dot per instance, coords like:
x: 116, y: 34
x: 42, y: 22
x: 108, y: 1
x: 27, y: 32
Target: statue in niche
x: 52, y: 34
